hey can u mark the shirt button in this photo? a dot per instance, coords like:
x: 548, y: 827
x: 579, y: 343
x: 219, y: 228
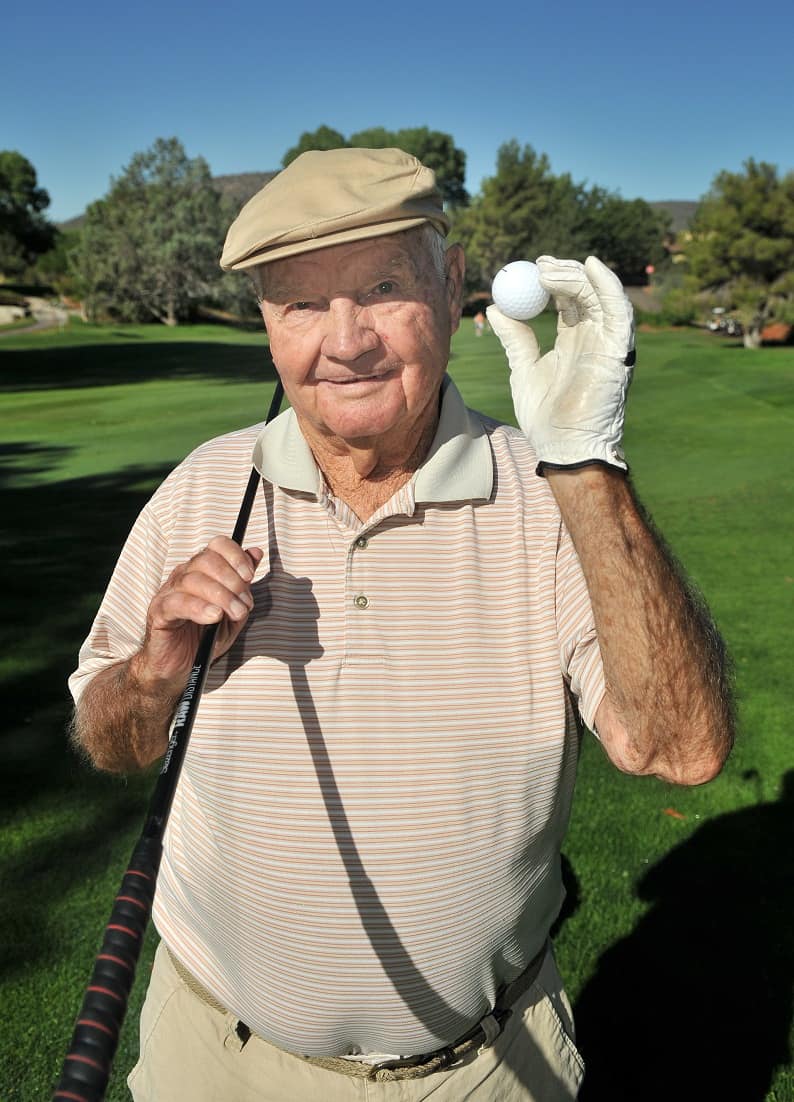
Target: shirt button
x: 361, y: 543
x: 361, y: 601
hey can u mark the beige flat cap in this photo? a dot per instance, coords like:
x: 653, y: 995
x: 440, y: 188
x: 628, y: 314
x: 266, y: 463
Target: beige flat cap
x: 330, y: 197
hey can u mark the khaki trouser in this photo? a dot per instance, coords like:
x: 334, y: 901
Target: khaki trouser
x: 190, y: 1051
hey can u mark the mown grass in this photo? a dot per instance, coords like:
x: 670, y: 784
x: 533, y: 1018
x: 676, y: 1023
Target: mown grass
x: 676, y: 941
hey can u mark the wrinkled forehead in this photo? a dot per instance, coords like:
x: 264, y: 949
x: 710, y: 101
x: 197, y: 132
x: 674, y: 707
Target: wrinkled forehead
x: 346, y: 267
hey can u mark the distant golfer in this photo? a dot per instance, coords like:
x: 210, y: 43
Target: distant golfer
x: 362, y: 863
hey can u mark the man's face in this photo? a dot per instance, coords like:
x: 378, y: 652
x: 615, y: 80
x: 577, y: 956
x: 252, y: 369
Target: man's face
x: 360, y: 336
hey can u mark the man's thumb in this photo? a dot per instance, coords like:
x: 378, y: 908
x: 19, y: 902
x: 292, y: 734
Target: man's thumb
x: 518, y: 339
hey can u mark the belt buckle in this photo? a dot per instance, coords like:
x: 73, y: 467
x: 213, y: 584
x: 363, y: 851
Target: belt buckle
x: 413, y: 1067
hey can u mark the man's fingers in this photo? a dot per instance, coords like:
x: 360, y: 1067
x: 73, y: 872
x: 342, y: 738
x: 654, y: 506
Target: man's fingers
x: 617, y: 311
x: 518, y: 340
x: 255, y: 555
x: 214, y: 566
x: 568, y: 283
x: 603, y: 279
x: 592, y: 292
x: 173, y: 610
x: 196, y: 602
x: 234, y: 555
x: 214, y: 583
x: 234, y: 598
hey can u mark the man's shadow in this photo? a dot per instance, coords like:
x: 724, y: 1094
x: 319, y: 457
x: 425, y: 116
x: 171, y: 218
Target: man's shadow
x: 287, y: 613
x: 280, y: 597
x: 696, y: 1003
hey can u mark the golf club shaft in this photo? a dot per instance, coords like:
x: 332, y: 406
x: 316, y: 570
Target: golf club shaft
x: 87, y: 1066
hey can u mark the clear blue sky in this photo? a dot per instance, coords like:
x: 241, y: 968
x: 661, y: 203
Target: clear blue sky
x: 647, y: 100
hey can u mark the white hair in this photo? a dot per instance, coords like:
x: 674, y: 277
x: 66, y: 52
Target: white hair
x: 431, y: 240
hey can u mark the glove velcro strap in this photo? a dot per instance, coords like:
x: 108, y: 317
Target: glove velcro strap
x: 544, y: 465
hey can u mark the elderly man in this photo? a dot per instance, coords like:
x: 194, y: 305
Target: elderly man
x: 362, y: 862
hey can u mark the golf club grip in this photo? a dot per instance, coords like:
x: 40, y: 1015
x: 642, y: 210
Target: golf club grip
x: 89, y: 1060
x: 87, y: 1066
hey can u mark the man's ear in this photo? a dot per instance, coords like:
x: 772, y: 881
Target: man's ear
x: 455, y: 264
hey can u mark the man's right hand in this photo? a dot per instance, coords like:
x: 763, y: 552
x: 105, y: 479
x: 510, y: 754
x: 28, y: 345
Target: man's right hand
x: 123, y: 716
x: 212, y: 587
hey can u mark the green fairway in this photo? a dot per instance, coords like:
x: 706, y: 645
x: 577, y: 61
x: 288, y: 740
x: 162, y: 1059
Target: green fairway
x: 676, y: 941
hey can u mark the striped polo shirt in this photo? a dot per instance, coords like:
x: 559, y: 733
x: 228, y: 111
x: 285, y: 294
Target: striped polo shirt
x: 364, y: 842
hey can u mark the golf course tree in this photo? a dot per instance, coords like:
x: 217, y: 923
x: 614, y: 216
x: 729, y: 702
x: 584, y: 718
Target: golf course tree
x: 25, y: 233
x: 524, y: 210
x: 627, y: 234
x: 55, y: 268
x: 521, y: 212
x: 433, y: 148
x: 149, y: 249
x: 741, y: 255
x: 324, y: 137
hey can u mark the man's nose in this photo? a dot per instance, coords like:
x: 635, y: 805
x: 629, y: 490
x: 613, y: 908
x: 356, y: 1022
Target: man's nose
x: 350, y: 331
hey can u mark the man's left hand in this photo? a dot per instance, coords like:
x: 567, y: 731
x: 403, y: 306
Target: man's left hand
x: 570, y: 403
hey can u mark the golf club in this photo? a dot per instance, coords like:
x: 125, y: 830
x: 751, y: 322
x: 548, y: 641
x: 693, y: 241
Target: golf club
x: 86, y: 1068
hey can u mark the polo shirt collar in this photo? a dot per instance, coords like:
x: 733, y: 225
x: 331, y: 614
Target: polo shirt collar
x: 459, y: 466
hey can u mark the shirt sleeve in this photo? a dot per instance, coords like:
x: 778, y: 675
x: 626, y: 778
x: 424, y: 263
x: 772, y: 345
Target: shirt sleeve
x: 580, y: 654
x: 120, y: 624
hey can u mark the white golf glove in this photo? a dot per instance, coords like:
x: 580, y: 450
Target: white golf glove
x: 571, y: 402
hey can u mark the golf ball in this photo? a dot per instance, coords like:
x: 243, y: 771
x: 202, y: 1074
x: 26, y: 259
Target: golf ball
x: 518, y: 292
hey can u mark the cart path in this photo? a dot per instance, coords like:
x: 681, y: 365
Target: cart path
x: 44, y: 317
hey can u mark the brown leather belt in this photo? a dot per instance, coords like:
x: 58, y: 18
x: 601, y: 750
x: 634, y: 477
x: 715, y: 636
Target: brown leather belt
x: 408, y: 1067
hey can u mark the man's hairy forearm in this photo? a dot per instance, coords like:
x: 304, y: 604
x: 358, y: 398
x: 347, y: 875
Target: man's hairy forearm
x: 122, y: 723
x: 666, y: 669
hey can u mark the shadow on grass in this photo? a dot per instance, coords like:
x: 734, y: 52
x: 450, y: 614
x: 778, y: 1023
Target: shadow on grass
x: 59, y: 546
x: 92, y: 816
x: 696, y: 1003
x: 89, y: 365
x: 27, y: 457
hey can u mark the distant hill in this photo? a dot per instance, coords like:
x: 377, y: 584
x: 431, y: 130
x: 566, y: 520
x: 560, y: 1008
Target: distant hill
x: 239, y: 188
x: 243, y: 185
x: 71, y: 223
x: 681, y: 211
